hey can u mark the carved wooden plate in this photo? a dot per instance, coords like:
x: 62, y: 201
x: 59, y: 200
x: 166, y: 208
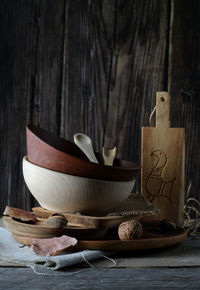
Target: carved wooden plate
x: 118, y: 245
x: 42, y: 230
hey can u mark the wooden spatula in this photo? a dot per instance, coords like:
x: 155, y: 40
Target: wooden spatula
x: 163, y: 163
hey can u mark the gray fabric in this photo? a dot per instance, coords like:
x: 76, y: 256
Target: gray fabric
x: 11, y: 251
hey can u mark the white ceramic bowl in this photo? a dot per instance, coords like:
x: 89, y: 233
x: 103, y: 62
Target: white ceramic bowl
x: 67, y: 193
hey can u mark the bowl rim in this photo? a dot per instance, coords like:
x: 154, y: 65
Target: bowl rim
x: 25, y: 160
x: 133, y: 165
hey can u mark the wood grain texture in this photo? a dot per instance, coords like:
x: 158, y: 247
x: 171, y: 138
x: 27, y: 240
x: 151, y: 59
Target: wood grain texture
x: 41, y: 230
x: 79, y: 104
x: 120, y: 47
x: 147, y: 278
x: 17, y: 58
x: 163, y: 163
x: 184, y: 84
x: 84, y: 220
x: 46, y: 107
x: 94, y: 66
x: 137, y: 71
x: 98, y: 243
x: 114, y: 44
x: 134, y: 207
x: 31, y: 33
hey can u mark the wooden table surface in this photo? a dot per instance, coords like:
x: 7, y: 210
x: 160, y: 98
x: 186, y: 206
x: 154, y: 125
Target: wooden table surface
x: 169, y: 268
x: 149, y: 278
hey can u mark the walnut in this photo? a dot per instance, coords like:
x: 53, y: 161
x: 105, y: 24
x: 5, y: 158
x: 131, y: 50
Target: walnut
x: 130, y: 230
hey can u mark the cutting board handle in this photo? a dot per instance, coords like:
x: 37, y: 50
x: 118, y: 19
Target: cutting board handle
x: 162, y: 110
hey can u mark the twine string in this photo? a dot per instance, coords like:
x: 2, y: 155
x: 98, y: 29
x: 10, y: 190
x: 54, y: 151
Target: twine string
x: 192, y: 215
x: 76, y: 272
x: 151, y: 115
x: 86, y: 261
x: 110, y: 259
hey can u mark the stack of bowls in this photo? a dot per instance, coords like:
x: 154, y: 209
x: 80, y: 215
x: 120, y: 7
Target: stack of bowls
x: 62, y: 179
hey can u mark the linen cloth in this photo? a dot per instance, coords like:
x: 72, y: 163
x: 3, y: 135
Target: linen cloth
x: 12, y: 251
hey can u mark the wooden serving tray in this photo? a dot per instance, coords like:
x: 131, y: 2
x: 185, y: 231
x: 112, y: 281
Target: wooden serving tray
x: 118, y: 245
x: 140, y: 244
x: 42, y: 230
x: 135, y: 206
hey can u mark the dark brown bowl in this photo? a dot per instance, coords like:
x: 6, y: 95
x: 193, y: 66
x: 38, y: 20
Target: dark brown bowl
x: 55, y: 153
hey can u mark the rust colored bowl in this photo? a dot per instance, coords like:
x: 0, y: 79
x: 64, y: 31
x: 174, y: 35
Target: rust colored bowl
x: 55, y: 153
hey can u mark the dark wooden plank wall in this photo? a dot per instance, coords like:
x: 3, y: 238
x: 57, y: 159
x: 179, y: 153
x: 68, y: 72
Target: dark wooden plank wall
x: 95, y: 66
x: 184, y: 82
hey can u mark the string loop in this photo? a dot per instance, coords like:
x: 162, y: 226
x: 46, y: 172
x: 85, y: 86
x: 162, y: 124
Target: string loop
x: 151, y: 115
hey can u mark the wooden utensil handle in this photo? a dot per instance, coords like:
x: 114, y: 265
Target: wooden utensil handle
x: 162, y: 109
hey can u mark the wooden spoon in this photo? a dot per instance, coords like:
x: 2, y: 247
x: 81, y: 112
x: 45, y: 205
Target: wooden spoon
x: 85, y: 144
x: 109, y: 155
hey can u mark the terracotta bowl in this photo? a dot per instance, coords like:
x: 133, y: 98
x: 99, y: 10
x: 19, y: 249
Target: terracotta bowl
x: 67, y: 193
x: 58, y: 154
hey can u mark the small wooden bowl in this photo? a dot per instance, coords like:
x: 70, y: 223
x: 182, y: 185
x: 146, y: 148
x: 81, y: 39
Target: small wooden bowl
x: 58, y: 154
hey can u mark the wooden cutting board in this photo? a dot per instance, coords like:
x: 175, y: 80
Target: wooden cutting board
x: 163, y: 163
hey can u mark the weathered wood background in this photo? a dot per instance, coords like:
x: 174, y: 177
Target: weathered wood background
x: 94, y: 66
